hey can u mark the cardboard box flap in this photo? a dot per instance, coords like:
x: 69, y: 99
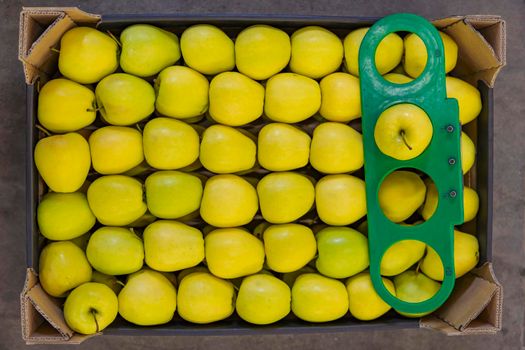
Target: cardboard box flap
x: 481, y: 43
x: 475, y: 305
x: 42, y: 316
x: 40, y: 30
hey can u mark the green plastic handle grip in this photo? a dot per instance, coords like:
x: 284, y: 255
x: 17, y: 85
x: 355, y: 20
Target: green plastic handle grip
x: 441, y: 160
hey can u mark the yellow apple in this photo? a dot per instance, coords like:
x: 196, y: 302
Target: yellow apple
x: 173, y: 194
x: 336, y: 148
x: 400, y: 194
x: 63, y: 161
x: 285, y: 197
x: 340, y: 199
x: 62, y: 266
x: 170, y: 144
x: 468, y: 97
x: 147, y: 49
x: 87, y: 55
x: 470, y: 202
x: 233, y: 252
x: 291, y: 98
x: 288, y: 247
x: 316, y: 298
x: 400, y: 256
x: 468, y: 153
x: 416, y: 54
x: 115, y: 251
x: 341, y: 97
x: 364, y: 302
x: 262, y: 51
x: 182, y: 93
x: 228, y: 201
x: 388, y: 53
x: 403, y: 131
x: 316, y: 52
x: 207, y: 49
x: 226, y: 150
x: 263, y: 299
x: 65, y: 106
x: 204, y: 298
x: 116, y: 200
x: 115, y: 149
x: 282, y: 147
x: 172, y: 246
x: 415, y: 287
x: 64, y: 216
x: 147, y: 299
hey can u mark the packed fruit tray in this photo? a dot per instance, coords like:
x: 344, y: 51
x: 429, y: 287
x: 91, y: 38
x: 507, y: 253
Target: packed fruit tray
x: 213, y: 175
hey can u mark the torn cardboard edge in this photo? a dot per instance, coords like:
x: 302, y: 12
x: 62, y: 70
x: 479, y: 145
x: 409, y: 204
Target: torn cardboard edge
x: 481, y: 40
x: 475, y: 306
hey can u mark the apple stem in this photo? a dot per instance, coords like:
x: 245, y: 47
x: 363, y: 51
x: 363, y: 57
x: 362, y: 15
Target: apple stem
x: 418, y: 265
x: 54, y: 50
x: 94, y: 313
x: 121, y: 283
x: 41, y: 128
x: 403, y: 136
x: 114, y: 38
x: 93, y: 109
x: 138, y: 127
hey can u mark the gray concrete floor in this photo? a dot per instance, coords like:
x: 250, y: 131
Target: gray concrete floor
x: 509, y: 167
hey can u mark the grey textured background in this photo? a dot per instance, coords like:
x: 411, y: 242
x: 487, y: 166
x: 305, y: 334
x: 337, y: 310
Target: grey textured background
x: 509, y: 194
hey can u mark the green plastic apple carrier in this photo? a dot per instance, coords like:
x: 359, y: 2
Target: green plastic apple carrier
x: 441, y: 160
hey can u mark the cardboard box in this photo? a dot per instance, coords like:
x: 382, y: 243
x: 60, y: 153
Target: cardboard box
x: 475, y: 306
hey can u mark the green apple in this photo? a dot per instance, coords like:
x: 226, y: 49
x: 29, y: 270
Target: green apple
x: 283, y: 147
x: 235, y: 99
x: 63, y: 161
x: 336, y: 148
x: 401, y: 256
x: 285, y: 197
x: 115, y: 149
x: 468, y: 152
x: 288, y: 247
x: 262, y: 51
x: 291, y: 98
x: 87, y: 55
x: 146, y: 50
x: 342, y: 252
x: 182, y: 93
x: 470, y: 202
x: 400, y: 194
x: 90, y: 308
x: 64, y: 216
x: 340, y: 199
x: 207, y: 49
x: 124, y: 99
x: 228, y: 201
x: 65, y: 106
x: 173, y: 194
x: 170, y: 144
x: 116, y: 200
x: 226, y: 150
x: 233, y: 252
x: 364, y: 303
x: 290, y: 277
x: 147, y: 299
x: 115, y: 251
x: 204, y: 298
x: 468, y: 97
x: 317, y: 298
x: 316, y: 52
x: 263, y: 299
x: 466, y: 257
x: 341, y: 100
x: 415, y: 59
x: 403, y: 131
x: 388, y: 53
x: 111, y: 281
x: 415, y: 287
x: 172, y: 246
x: 62, y: 266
